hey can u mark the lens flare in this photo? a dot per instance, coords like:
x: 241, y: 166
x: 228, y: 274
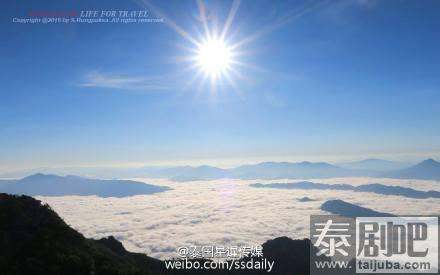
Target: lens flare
x: 214, y: 57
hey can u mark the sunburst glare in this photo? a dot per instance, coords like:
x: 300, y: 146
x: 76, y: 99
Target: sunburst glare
x: 214, y: 57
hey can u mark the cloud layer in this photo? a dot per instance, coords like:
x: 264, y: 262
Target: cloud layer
x: 221, y: 212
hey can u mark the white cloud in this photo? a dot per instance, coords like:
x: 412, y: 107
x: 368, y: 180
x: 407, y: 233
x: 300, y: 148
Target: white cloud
x: 221, y: 212
x: 114, y: 81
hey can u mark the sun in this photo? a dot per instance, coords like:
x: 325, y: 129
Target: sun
x: 214, y: 57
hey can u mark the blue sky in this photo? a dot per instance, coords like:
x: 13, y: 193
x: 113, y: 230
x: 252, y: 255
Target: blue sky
x: 328, y: 80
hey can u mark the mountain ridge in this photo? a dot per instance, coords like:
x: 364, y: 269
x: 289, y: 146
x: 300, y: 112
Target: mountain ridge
x: 40, y: 184
x: 374, y: 164
x: 343, y: 208
x: 428, y: 169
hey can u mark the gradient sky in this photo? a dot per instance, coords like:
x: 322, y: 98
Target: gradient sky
x: 326, y: 80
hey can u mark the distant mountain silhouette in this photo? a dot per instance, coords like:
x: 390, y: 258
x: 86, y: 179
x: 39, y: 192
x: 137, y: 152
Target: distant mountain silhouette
x: 52, y: 185
x: 374, y: 165
x: 397, y: 191
x: 265, y: 170
x: 189, y: 173
x: 305, y: 199
x: 35, y: 240
x: 346, y: 209
x: 426, y: 170
x: 374, y: 188
x: 276, y: 170
x: 307, y: 185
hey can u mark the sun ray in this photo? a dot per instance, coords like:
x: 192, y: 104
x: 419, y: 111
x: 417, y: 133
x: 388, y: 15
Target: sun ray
x: 170, y: 22
x: 203, y: 18
x: 283, y: 20
x: 232, y: 12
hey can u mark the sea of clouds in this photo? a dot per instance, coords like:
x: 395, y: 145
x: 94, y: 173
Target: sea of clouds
x: 225, y: 212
